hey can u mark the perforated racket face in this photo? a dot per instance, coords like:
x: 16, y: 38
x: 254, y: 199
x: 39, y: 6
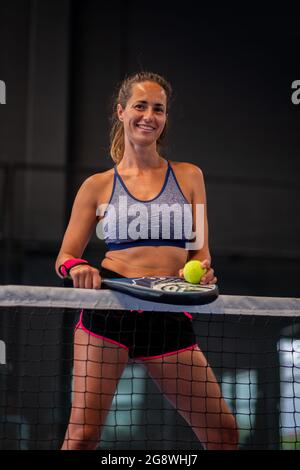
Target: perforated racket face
x: 181, y: 286
x: 170, y: 284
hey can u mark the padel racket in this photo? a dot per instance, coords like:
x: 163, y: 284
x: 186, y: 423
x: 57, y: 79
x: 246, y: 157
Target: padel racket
x: 169, y: 290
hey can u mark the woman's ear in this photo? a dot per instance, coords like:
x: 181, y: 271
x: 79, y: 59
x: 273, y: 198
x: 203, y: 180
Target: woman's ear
x: 120, y: 112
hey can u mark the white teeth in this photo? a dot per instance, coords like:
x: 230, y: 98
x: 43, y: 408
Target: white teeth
x: 147, y: 128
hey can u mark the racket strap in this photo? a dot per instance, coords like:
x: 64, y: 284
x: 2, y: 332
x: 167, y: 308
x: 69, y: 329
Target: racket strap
x: 64, y: 269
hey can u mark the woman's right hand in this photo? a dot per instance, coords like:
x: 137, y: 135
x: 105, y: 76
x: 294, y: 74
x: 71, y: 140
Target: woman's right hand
x: 85, y: 277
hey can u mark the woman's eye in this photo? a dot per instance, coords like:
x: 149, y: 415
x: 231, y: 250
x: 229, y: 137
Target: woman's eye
x: 142, y: 107
x: 139, y: 106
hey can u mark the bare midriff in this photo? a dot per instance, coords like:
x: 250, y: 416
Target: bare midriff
x: 146, y: 261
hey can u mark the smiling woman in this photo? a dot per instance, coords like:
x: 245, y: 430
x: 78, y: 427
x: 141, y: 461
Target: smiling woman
x: 143, y: 241
x: 132, y: 96
x: 144, y: 116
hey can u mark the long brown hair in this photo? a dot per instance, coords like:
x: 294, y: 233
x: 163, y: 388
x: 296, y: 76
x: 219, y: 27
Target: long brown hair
x: 123, y: 94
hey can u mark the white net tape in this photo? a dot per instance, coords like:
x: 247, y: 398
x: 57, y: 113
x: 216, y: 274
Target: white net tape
x: 36, y: 296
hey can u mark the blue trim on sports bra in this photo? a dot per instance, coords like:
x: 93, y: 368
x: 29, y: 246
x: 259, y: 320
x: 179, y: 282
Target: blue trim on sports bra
x: 122, y: 246
x: 141, y: 200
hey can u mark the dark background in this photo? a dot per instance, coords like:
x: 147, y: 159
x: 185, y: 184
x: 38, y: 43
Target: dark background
x: 233, y: 116
x: 232, y: 72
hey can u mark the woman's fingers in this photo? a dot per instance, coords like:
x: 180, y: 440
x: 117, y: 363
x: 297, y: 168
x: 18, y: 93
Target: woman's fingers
x: 209, y: 278
x: 96, y: 280
x: 85, y: 277
x: 205, y: 264
x: 87, y: 281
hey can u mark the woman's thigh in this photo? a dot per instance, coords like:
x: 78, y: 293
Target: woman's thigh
x: 98, y: 366
x: 188, y: 382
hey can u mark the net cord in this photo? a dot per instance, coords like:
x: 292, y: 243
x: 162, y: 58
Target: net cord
x: 60, y: 297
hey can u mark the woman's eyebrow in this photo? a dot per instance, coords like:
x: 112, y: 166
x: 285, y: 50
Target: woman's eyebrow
x: 146, y: 102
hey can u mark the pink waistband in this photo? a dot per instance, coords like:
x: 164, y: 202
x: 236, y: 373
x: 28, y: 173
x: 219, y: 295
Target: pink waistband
x: 147, y: 358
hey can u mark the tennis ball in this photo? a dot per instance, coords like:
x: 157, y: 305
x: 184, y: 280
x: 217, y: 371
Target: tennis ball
x: 193, y: 271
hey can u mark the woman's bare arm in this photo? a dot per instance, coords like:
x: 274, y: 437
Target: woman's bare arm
x: 81, y: 225
x: 200, y: 227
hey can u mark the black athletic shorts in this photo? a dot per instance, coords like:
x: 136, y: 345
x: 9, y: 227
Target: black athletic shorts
x: 144, y: 334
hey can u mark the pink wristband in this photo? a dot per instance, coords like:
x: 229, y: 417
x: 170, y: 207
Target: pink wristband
x: 64, y: 269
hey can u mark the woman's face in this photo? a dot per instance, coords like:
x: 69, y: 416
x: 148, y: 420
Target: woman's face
x: 144, y: 116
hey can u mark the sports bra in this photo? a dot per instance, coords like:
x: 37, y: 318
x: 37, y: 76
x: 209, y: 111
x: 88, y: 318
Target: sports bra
x: 164, y: 220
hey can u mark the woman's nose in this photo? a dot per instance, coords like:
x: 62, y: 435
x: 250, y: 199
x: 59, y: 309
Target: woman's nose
x: 148, y: 113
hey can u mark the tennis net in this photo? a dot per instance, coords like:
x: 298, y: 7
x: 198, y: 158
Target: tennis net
x: 251, y: 343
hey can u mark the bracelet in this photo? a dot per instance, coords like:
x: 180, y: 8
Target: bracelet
x: 64, y: 269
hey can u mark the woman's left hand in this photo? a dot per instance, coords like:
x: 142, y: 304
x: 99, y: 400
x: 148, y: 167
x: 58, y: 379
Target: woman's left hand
x: 209, y: 277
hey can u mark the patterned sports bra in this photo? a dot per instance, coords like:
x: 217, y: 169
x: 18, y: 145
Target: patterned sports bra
x: 164, y: 220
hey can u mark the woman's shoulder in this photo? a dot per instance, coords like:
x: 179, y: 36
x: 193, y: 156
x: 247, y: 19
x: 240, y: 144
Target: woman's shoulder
x: 189, y: 177
x: 100, y: 179
x: 97, y: 187
x: 186, y: 168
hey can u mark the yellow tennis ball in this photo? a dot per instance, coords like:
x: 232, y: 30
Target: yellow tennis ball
x: 193, y: 271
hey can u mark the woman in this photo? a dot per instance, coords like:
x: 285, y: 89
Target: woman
x: 102, y: 346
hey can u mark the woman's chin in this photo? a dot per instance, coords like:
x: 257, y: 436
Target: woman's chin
x: 144, y: 141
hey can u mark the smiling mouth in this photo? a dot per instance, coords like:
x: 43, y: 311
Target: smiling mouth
x: 145, y: 128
